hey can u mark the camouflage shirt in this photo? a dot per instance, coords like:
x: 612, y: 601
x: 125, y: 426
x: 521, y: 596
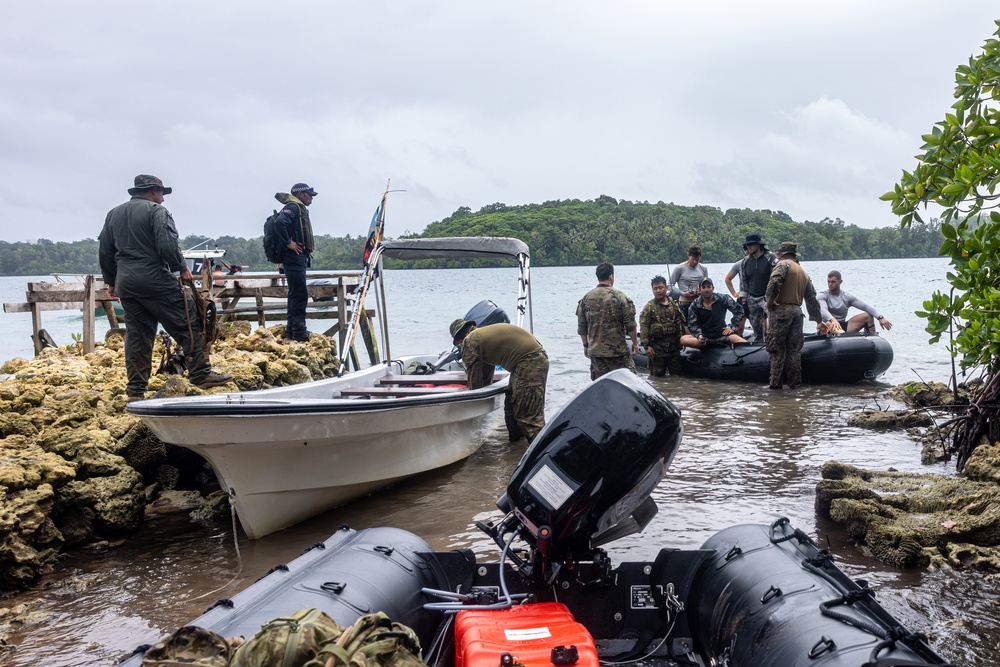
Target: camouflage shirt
x: 790, y: 286
x: 658, y: 321
x: 605, y: 316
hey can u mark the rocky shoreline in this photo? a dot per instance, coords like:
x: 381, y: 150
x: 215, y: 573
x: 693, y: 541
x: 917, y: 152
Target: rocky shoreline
x: 77, y: 469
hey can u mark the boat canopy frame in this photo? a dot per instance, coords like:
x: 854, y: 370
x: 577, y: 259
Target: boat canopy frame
x: 445, y: 247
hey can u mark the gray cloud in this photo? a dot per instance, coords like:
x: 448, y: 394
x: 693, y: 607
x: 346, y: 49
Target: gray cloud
x: 813, y: 110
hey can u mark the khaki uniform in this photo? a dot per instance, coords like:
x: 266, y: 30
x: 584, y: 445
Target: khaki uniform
x: 788, y: 287
x: 661, y: 326
x: 606, y: 316
x: 517, y: 351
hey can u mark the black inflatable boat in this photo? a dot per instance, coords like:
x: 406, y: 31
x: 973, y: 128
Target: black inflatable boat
x: 843, y: 359
x: 752, y: 596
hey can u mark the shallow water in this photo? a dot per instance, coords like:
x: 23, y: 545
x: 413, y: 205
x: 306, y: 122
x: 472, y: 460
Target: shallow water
x: 748, y: 456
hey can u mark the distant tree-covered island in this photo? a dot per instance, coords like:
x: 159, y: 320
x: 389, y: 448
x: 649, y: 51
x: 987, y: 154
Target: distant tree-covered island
x: 567, y: 232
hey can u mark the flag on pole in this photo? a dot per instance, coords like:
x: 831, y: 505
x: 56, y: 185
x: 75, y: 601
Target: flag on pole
x: 374, y: 234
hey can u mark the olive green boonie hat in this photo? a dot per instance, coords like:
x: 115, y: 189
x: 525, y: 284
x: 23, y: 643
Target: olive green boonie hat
x: 457, y: 329
x: 145, y: 182
x: 787, y: 249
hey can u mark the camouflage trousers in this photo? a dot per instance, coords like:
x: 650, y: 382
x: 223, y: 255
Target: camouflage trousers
x: 757, y: 315
x: 602, y: 365
x: 666, y: 356
x: 784, y: 345
x: 524, y: 404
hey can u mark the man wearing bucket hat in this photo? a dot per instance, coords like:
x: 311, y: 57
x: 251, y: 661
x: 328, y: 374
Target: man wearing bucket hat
x: 138, y: 254
x: 788, y: 286
x: 754, y: 275
x: 296, y: 233
x: 516, y: 350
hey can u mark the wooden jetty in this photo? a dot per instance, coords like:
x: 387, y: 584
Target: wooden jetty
x: 257, y: 297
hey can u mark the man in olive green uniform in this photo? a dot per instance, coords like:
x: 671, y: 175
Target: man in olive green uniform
x: 138, y: 251
x: 788, y: 286
x: 516, y: 350
x: 661, y: 324
x: 605, y: 317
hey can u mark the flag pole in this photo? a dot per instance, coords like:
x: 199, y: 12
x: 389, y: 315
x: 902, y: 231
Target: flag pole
x: 372, y: 265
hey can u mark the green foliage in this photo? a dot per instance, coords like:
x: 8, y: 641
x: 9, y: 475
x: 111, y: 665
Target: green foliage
x: 959, y: 170
x: 559, y: 233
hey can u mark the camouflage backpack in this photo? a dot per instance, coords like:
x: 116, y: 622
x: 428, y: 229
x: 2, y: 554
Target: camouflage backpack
x: 373, y: 641
x: 289, y: 641
x: 189, y: 646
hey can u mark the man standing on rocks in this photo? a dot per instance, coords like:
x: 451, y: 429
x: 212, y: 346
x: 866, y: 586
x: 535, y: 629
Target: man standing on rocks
x: 605, y: 317
x: 295, y: 230
x: 788, y: 287
x: 138, y: 254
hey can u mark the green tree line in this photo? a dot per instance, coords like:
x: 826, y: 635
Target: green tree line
x: 559, y: 233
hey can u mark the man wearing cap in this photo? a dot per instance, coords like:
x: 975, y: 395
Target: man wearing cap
x: 835, y: 302
x: 707, y: 318
x: 516, y: 350
x: 661, y: 325
x: 605, y: 317
x: 788, y: 286
x: 295, y: 230
x: 754, y: 275
x: 138, y: 253
x: 687, y: 276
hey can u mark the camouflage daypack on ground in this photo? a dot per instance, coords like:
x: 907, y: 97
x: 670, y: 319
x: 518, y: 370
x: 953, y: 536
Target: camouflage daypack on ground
x: 373, y: 641
x: 289, y: 641
x: 189, y: 646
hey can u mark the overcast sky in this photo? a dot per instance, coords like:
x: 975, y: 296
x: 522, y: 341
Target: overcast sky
x: 805, y: 107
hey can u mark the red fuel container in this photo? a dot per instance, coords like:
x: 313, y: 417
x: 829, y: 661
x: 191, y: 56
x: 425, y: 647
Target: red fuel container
x: 528, y: 632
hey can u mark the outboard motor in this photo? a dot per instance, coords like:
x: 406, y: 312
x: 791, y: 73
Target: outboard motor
x: 483, y: 314
x: 587, y: 477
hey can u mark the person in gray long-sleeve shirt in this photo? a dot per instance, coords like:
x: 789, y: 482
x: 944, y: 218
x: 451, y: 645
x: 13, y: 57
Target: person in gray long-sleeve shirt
x: 137, y: 254
x: 835, y: 302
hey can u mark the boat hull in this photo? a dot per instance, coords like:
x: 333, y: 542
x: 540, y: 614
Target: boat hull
x: 844, y: 359
x: 285, y: 455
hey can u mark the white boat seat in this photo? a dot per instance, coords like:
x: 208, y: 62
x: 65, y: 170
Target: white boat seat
x: 390, y: 392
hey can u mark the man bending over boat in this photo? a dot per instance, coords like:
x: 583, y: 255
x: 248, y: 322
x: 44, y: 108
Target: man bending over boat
x: 516, y: 350
x: 835, y: 302
x: 707, y: 318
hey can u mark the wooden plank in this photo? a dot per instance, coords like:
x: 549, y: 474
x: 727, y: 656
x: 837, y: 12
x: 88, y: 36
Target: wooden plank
x: 390, y: 392
x: 32, y: 307
x: 88, y: 315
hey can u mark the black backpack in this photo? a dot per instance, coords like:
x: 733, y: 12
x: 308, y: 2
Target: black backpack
x: 272, y: 241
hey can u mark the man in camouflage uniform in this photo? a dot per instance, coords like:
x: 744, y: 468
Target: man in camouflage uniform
x: 138, y: 252
x: 605, y: 317
x: 661, y: 324
x: 788, y: 286
x: 515, y: 349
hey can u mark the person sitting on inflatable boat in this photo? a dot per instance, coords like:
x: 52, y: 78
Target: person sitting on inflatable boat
x: 835, y: 302
x: 707, y: 318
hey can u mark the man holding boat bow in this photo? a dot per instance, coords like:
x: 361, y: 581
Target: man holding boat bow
x: 519, y: 352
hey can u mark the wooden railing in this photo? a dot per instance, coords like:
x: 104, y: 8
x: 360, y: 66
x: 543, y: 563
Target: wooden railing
x: 260, y: 297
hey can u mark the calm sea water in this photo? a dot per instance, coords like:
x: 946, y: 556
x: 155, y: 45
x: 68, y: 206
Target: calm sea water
x: 749, y: 455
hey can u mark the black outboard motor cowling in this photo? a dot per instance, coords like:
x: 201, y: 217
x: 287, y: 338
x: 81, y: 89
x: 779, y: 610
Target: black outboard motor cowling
x: 587, y: 477
x: 483, y: 314
x: 486, y: 313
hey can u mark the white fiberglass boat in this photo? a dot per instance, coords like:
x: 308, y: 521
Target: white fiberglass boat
x: 289, y: 453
